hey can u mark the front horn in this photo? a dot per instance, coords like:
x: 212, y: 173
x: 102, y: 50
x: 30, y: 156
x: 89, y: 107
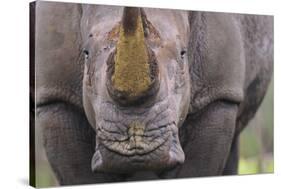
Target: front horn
x: 134, y: 70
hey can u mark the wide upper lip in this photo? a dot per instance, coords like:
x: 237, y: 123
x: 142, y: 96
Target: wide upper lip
x: 132, y: 145
x: 113, y: 125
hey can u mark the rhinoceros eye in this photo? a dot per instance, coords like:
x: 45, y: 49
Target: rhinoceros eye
x: 86, y: 53
x: 183, y: 52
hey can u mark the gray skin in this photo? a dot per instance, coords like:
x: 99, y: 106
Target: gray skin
x: 214, y: 72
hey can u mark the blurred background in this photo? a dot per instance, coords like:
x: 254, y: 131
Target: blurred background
x: 256, y: 146
x: 256, y: 141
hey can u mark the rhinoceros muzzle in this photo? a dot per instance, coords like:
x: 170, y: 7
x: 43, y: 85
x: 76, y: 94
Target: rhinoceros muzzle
x: 141, y: 150
x: 137, y: 139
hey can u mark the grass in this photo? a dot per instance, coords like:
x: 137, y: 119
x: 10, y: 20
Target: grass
x: 252, y: 166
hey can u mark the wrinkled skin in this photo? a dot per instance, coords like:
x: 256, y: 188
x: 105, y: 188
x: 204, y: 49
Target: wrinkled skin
x: 214, y: 69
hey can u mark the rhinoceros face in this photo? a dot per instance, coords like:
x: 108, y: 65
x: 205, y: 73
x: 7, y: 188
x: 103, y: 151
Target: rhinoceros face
x: 136, y: 86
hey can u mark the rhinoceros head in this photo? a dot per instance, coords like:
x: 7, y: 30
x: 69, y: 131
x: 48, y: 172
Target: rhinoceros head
x: 136, y: 86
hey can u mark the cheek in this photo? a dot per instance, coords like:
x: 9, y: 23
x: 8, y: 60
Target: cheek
x: 185, y: 93
x: 180, y: 88
x: 184, y: 105
x: 94, y: 90
x: 87, y: 104
x: 176, y: 74
x: 177, y: 79
x: 94, y: 75
x: 170, y: 71
x: 87, y: 82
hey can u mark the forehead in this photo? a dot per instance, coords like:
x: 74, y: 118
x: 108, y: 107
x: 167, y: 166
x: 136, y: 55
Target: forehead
x: 171, y: 24
x: 100, y: 19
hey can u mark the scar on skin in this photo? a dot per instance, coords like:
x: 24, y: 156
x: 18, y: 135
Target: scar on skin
x: 114, y: 33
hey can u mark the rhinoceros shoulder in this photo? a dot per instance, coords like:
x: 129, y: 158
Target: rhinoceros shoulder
x: 257, y: 32
x: 227, y: 54
x: 216, y: 58
x: 58, y: 60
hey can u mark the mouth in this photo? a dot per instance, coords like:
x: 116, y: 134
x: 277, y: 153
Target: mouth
x: 137, y: 145
x: 138, y: 140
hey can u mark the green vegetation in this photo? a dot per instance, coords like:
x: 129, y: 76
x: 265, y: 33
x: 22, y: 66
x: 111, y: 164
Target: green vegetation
x: 44, y: 176
x: 252, y: 166
x: 256, y: 141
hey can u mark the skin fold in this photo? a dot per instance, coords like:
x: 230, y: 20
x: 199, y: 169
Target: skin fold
x: 198, y: 80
